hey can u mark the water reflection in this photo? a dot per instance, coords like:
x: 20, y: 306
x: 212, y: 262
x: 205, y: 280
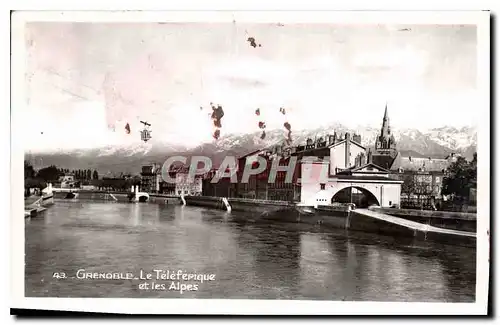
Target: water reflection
x: 250, y: 259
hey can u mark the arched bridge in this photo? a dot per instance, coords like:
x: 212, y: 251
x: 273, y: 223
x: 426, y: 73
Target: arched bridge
x: 384, y: 193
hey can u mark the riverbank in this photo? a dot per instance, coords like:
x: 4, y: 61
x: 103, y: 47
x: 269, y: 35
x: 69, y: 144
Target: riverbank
x: 462, y: 221
x: 394, y: 222
x: 114, y: 197
x: 265, y: 209
x: 341, y: 216
x: 35, y: 205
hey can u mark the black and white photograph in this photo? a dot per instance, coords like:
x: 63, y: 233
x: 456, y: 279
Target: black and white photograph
x: 312, y: 160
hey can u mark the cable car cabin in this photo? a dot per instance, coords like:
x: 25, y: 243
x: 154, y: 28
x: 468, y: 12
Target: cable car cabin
x: 145, y: 135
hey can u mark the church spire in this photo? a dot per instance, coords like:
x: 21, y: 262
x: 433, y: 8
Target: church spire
x: 385, y: 144
x: 386, y: 129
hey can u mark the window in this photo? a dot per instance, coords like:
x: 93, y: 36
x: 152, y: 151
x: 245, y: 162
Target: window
x: 438, y: 179
x: 322, y: 186
x: 179, y: 192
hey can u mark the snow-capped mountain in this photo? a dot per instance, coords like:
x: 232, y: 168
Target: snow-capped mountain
x: 437, y: 142
x: 454, y: 138
x: 434, y: 142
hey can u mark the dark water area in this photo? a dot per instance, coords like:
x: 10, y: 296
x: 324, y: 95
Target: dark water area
x: 246, y: 258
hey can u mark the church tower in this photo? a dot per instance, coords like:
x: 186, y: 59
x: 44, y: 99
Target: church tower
x: 386, y: 144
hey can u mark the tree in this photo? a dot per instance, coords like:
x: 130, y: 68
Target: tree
x: 95, y: 175
x: 461, y: 176
x: 88, y: 175
x: 49, y: 174
x: 136, y: 180
x: 29, y: 171
x: 29, y: 175
x: 33, y: 183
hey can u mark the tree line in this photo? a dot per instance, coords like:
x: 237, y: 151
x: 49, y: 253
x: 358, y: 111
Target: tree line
x: 52, y: 173
x: 81, y: 174
x: 460, y: 180
x: 39, y: 178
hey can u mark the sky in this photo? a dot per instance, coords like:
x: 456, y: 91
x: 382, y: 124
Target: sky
x: 84, y: 78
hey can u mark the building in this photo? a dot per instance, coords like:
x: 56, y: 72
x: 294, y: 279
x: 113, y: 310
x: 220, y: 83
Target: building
x: 423, y: 179
x: 167, y: 188
x: 385, y: 146
x: 422, y: 176
x: 339, y: 163
x: 343, y: 150
x: 260, y: 186
x: 222, y: 188
x: 339, y: 158
x: 182, y: 184
x: 186, y: 185
x: 343, y: 170
x: 364, y: 185
x: 68, y: 181
x: 387, y: 156
x: 150, y: 178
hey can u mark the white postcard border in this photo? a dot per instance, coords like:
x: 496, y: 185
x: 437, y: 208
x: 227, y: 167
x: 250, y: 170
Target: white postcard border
x: 236, y: 306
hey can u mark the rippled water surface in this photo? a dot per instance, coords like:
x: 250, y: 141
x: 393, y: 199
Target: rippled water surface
x: 252, y: 260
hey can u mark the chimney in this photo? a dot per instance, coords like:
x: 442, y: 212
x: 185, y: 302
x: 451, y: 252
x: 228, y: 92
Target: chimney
x: 347, y: 150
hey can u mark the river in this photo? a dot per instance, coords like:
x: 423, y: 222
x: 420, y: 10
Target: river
x: 248, y: 259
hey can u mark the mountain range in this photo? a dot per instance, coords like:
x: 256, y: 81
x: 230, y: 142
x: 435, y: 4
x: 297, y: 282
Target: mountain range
x: 435, y: 143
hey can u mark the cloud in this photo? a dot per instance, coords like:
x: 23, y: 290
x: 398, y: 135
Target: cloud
x: 244, y: 82
x: 164, y: 73
x: 250, y: 69
x: 406, y: 60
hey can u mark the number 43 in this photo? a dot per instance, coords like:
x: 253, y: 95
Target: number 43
x: 59, y: 275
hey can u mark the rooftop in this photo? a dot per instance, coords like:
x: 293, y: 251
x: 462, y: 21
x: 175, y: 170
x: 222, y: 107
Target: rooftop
x: 368, y: 178
x: 384, y: 161
x: 425, y: 164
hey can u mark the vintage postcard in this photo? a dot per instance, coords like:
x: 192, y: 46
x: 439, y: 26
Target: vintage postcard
x: 314, y: 163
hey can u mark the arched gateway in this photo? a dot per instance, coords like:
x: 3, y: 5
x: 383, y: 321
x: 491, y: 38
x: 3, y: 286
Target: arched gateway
x: 369, y: 185
x: 361, y: 197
